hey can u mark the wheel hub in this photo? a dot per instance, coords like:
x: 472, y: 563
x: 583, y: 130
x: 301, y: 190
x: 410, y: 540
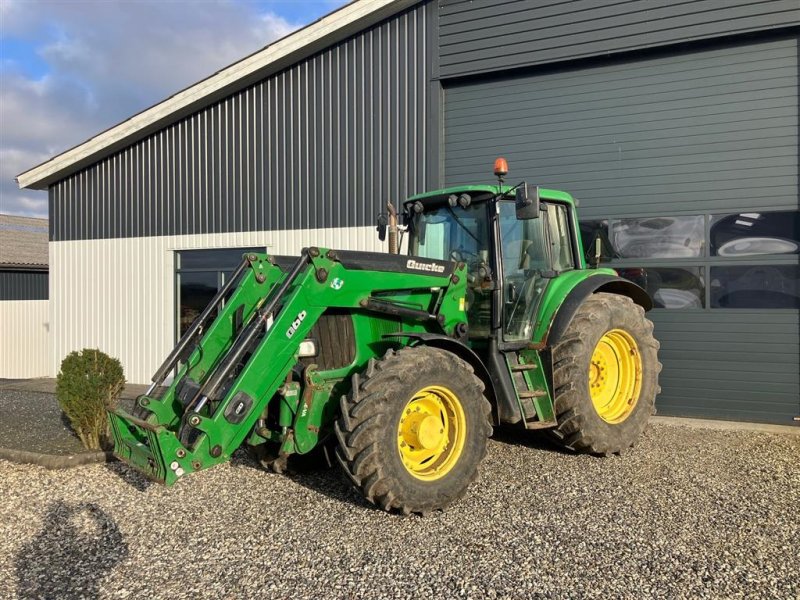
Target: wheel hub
x: 431, y: 433
x: 615, y: 376
x: 428, y: 432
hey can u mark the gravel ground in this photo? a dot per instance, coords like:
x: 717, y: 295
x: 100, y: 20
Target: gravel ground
x: 33, y: 421
x: 688, y: 513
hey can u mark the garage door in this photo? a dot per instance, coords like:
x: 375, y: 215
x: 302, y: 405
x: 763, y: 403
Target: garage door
x: 686, y: 168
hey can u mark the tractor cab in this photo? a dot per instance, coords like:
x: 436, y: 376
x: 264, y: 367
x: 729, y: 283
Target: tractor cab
x: 511, y: 255
x: 526, y: 279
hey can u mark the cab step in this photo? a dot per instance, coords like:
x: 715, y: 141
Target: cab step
x: 532, y: 394
x: 530, y: 386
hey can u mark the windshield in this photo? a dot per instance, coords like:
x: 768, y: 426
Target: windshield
x: 460, y: 234
x: 452, y: 233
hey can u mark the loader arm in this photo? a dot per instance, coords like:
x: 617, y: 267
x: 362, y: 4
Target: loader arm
x: 239, y: 362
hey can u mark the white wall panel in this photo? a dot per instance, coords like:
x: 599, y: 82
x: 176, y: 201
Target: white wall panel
x: 24, y: 339
x: 118, y: 295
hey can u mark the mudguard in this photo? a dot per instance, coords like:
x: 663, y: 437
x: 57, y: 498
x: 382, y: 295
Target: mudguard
x: 599, y: 283
x: 462, y: 351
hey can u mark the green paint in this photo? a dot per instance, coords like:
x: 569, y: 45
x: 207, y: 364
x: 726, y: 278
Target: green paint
x: 297, y: 415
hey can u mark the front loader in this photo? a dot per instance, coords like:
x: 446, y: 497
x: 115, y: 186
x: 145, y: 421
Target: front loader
x: 402, y: 364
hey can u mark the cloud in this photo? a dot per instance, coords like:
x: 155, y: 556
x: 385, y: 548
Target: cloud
x: 105, y: 62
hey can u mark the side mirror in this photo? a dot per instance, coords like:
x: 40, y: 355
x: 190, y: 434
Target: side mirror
x: 527, y: 202
x: 383, y: 222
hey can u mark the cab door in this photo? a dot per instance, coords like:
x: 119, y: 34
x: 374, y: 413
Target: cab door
x: 533, y: 252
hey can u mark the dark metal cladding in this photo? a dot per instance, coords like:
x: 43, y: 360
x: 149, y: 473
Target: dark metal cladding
x: 24, y: 285
x: 490, y: 35
x: 324, y: 143
x: 620, y: 144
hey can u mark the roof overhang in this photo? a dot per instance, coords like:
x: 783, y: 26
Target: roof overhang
x: 283, y: 53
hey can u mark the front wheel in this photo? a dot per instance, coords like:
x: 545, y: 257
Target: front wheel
x: 413, y: 429
x: 605, y: 376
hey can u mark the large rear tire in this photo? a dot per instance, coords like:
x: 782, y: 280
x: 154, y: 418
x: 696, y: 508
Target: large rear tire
x: 413, y: 430
x: 605, y: 376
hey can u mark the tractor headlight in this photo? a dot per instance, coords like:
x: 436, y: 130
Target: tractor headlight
x: 307, y: 348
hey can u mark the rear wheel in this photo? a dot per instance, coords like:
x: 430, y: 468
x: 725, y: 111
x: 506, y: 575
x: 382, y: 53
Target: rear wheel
x: 413, y: 429
x: 605, y: 376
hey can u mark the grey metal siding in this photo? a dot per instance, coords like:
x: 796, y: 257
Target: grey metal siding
x: 712, y: 130
x: 325, y: 143
x: 740, y: 365
x: 23, y: 285
x: 486, y: 35
x: 703, y: 132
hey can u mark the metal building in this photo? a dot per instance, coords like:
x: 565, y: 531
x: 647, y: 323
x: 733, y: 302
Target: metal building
x: 675, y: 124
x: 24, y: 309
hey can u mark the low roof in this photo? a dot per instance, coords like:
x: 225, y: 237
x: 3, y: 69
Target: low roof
x: 23, y: 242
x: 330, y: 29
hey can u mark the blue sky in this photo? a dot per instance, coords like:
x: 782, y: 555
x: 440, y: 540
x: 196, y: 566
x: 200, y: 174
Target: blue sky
x: 72, y: 68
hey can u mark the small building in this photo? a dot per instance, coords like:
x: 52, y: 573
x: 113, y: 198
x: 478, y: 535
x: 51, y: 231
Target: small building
x: 674, y: 124
x: 24, y: 308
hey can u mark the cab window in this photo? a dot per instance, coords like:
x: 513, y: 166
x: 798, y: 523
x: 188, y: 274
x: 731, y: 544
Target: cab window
x: 559, y: 237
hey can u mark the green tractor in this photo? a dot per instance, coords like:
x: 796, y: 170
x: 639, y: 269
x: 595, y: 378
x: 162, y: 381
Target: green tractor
x: 401, y: 364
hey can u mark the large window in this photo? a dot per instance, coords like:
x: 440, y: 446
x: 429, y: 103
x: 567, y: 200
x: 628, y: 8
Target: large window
x: 200, y: 274
x: 742, y: 260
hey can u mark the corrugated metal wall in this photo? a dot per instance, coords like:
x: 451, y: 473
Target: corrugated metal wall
x: 23, y: 285
x: 696, y: 133
x: 325, y: 143
x: 708, y: 130
x: 25, y: 339
x: 487, y: 35
x: 742, y: 365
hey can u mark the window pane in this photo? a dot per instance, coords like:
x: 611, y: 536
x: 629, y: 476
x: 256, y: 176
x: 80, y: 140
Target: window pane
x: 524, y: 259
x: 670, y: 287
x: 644, y: 237
x: 752, y: 234
x: 195, y: 292
x: 436, y: 242
x: 225, y: 259
x: 558, y: 226
x: 762, y: 286
x: 657, y: 237
x: 591, y: 231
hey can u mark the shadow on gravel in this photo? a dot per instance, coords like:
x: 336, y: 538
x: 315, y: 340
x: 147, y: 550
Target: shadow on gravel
x: 537, y: 440
x: 313, y: 473
x: 129, y: 475
x: 76, y: 548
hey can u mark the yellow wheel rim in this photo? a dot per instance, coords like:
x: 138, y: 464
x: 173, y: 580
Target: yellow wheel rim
x: 431, y: 433
x: 615, y: 376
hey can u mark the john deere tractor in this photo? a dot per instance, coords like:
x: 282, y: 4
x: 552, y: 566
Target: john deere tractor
x: 400, y: 365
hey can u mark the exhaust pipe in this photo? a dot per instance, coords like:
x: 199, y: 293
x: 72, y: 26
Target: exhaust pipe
x: 393, y: 246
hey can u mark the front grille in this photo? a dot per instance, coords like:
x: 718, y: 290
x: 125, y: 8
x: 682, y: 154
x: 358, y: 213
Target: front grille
x: 336, y: 341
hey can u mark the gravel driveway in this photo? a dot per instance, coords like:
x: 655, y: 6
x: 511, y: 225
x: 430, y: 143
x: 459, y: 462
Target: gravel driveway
x: 688, y: 513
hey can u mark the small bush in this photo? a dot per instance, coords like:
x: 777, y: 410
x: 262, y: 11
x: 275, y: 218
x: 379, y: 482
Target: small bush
x: 89, y: 382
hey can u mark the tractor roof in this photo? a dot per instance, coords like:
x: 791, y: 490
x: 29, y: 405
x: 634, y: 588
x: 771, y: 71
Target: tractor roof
x: 482, y: 192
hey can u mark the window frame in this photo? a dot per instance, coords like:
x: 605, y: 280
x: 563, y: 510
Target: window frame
x: 706, y: 261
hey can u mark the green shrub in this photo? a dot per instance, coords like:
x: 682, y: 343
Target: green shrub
x: 89, y: 382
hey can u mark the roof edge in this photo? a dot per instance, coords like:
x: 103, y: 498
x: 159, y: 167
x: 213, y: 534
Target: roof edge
x: 280, y: 54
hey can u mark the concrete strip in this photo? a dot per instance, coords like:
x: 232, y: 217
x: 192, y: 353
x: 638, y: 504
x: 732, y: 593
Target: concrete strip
x: 52, y: 461
x: 728, y: 425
